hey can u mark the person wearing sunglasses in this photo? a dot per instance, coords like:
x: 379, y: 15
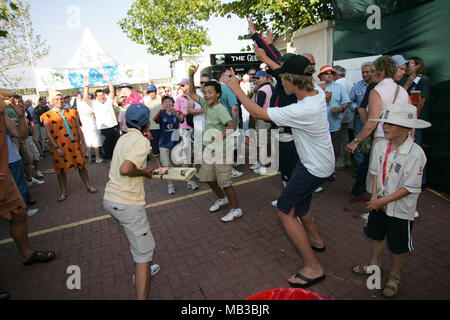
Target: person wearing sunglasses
x: 336, y: 104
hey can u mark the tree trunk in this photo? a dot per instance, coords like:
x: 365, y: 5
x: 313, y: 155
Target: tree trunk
x: 289, y: 35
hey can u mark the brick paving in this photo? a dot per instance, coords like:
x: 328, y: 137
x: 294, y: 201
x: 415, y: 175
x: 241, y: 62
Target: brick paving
x: 202, y: 258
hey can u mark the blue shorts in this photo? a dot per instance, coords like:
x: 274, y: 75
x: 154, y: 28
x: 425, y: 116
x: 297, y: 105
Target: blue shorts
x: 155, y: 142
x: 299, y: 190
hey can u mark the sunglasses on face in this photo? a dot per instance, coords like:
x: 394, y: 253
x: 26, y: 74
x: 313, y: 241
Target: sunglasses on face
x: 202, y: 82
x: 251, y: 74
x: 328, y: 73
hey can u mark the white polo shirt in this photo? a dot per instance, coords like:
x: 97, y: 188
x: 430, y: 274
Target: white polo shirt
x: 105, y: 117
x: 404, y: 169
x: 309, y: 122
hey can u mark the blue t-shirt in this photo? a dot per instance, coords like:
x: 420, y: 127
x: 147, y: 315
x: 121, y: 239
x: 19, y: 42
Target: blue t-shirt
x: 169, y: 135
x: 228, y: 99
x: 13, y: 153
x: 338, y: 98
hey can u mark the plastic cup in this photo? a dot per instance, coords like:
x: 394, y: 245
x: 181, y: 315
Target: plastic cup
x: 415, y: 96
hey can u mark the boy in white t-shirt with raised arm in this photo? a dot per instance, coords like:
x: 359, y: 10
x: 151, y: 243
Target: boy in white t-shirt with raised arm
x: 309, y: 123
x: 396, y: 168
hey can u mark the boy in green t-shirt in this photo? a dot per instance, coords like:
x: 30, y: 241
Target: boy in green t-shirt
x: 215, y: 170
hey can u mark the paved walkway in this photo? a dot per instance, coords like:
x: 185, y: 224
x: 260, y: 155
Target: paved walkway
x: 203, y: 258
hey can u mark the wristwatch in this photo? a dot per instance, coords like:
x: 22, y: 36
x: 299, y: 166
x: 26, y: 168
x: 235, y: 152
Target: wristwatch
x: 356, y: 140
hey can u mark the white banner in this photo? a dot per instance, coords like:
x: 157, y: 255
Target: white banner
x: 60, y: 79
x: 353, y: 67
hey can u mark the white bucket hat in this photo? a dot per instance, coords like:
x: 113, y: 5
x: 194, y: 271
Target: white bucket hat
x: 402, y: 114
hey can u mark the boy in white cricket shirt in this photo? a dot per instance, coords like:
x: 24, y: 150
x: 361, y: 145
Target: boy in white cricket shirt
x: 397, y: 168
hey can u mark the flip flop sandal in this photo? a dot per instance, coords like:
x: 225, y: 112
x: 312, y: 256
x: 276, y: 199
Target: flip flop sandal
x: 49, y: 171
x: 395, y: 290
x: 62, y: 198
x: 362, y: 269
x: 40, y: 257
x: 319, y: 249
x: 309, y: 282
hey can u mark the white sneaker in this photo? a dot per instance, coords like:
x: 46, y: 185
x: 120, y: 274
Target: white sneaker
x: 263, y: 171
x: 171, y: 189
x: 236, y: 174
x: 274, y: 203
x: 219, y: 203
x: 319, y: 189
x: 255, y: 166
x: 32, y: 212
x: 154, y: 269
x: 35, y: 182
x: 192, y: 185
x: 39, y: 174
x: 284, y: 184
x: 232, y: 215
x: 365, y: 216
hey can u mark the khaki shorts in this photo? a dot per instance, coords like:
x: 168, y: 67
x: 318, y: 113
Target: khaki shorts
x: 24, y: 151
x: 134, y: 221
x: 217, y: 172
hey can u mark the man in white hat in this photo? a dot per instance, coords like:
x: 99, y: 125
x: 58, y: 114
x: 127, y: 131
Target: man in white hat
x: 396, y: 167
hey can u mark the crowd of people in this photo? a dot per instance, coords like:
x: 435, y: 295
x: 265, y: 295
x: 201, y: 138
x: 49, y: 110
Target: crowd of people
x: 308, y: 127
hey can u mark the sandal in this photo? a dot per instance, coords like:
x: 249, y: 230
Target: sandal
x: 309, y: 282
x: 92, y: 190
x: 62, y: 198
x: 39, y: 256
x: 362, y: 269
x: 394, y: 289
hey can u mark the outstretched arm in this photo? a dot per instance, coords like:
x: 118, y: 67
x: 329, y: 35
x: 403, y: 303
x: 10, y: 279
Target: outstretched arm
x: 192, y: 92
x: 256, y: 111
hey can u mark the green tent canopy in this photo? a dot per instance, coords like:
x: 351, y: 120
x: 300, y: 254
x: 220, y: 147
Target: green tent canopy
x: 411, y: 28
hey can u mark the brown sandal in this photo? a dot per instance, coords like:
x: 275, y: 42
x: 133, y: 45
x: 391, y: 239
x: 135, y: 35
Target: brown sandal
x: 394, y: 289
x: 362, y: 269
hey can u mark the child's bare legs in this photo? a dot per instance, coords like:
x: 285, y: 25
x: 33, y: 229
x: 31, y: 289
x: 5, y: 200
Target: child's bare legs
x: 232, y: 196
x: 296, y: 232
x: 142, y: 280
x: 311, y: 230
x: 397, y: 260
x: 377, y: 252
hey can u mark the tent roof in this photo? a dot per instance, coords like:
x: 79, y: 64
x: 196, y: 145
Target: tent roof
x: 90, y: 54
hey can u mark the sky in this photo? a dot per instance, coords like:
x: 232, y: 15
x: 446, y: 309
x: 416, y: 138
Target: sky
x: 53, y: 20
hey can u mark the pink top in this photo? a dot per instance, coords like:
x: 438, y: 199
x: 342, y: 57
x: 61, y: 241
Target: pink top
x: 122, y: 121
x: 386, y: 89
x: 181, y: 105
x: 134, y: 98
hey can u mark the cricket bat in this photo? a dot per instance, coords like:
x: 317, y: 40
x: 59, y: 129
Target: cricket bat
x: 174, y: 174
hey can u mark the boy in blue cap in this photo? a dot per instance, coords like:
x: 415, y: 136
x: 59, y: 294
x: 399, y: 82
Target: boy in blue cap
x: 124, y: 195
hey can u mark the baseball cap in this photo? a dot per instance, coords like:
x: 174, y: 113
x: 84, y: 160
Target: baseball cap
x: 295, y: 65
x: 151, y: 88
x: 286, y: 56
x: 402, y: 114
x: 137, y: 116
x: 184, y: 81
x: 261, y: 73
x: 399, y: 60
x: 125, y: 85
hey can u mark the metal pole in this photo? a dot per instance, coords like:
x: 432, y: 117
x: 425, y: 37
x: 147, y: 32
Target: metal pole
x: 31, y: 58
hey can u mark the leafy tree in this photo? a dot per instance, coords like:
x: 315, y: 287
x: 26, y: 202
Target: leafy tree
x: 284, y: 17
x: 7, y: 9
x: 169, y: 27
x: 13, y: 42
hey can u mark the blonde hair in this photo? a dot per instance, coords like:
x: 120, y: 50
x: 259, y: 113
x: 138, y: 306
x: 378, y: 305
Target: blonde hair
x: 52, y: 95
x: 301, y: 82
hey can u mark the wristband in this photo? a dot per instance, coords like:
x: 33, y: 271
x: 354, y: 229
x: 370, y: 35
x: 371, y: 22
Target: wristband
x: 356, y: 140
x: 56, y: 148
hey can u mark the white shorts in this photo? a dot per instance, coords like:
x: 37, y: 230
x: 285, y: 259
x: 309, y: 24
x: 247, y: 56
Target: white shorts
x: 134, y: 221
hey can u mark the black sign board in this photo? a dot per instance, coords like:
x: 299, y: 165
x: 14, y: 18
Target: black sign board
x: 233, y: 59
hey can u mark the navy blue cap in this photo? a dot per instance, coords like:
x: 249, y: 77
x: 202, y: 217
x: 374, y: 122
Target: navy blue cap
x: 125, y: 85
x: 151, y: 88
x: 137, y: 116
